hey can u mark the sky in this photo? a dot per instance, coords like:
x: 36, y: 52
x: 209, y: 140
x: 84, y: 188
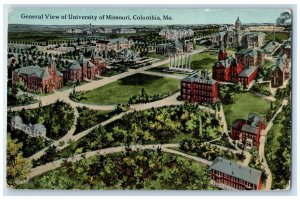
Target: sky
x: 180, y: 16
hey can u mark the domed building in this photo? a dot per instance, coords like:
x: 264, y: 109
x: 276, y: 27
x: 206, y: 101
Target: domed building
x: 238, y: 24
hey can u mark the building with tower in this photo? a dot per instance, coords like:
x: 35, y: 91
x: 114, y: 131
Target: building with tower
x: 39, y: 79
x: 80, y: 69
x: 248, y: 131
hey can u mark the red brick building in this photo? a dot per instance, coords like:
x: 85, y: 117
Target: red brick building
x: 228, y: 175
x: 248, y: 131
x: 38, y: 79
x: 80, y: 69
x: 247, y: 75
x: 226, y: 70
x: 222, y: 55
x: 199, y: 88
x: 280, y: 71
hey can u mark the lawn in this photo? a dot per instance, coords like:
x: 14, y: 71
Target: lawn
x: 155, y: 55
x: 245, y: 103
x: 120, y: 91
x: 279, y: 37
x: 268, y: 64
x: 203, y: 60
x: 276, y: 129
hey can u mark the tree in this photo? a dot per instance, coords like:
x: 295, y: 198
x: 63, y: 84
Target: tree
x: 18, y: 168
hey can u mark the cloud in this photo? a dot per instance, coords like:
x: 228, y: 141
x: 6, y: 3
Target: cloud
x: 283, y: 18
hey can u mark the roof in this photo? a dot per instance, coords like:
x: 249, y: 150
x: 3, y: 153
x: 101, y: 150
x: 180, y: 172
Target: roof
x: 39, y: 127
x: 225, y: 166
x: 90, y: 64
x: 34, y: 70
x: 113, y: 40
x: 203, y: 78
x: 238, y: 123
x: 250, y: 129
x: 254, y: 119
x: 74, y: 65
x: 250, y: 52
x: 17, y: 118
x: 280, y: 62
x: 248, y: 71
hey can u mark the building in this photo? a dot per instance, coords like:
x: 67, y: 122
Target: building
x: 287, y: 48
x: 170, y: 34
x: 74, y: 30
x: 280, y: 71
x: 175, y: 47
x: 229, y: 36
x: 253, y: 39
x: 265, y: 28
x: 80, y: 69
x: 124, y: 30
x: 32, y: 130
x: 247, y: 75
x: 39, y: 79
x: 227, y: 70
x: 229, y: 175
x: 199, y: 88
x: 104, y: 30
x: 251, y: 57
x: 113, y: 44
x: 248, y: 131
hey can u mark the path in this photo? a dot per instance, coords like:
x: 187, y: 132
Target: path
x: 261, y: 149
x: 56, y: 164
x: 65, y: 141
x: 64, y: 95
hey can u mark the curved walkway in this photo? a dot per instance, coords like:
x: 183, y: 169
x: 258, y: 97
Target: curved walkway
x: 56, y: 164
x: 261, y: 149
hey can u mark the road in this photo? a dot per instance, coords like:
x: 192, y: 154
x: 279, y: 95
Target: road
x: 261, y: 149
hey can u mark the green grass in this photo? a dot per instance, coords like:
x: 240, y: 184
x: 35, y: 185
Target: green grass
x: 245, y: 103
x: 268, y: 64
x: 120, y: 91
x: 279, y: 37
x: 155, y: 55
x: 203, y: 60
x: 178, y: 138
x: 276, y: 129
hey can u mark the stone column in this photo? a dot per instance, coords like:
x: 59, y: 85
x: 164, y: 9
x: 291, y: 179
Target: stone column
x: 181, y: 62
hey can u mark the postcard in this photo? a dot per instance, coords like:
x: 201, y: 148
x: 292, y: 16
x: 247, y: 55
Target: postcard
x: 149, y: 98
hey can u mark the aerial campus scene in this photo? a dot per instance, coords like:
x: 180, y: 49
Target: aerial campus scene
x: 191, y: 99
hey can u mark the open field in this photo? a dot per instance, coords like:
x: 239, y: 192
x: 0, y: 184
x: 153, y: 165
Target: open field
x: 121, y: 90
x: 279, y: 37
x: 245, y: 103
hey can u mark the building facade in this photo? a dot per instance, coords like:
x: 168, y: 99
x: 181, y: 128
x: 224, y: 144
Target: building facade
x: 248, y: 131
x: 228, y: 175
x: 38, y: 79
x: 175, y: 47
x: 113, y: 44
x: 80, y: 69
x: 199, y: 88
x: 253, y: 39
x: 280, y: 71
x: 35, y: 130
x: 251, y: 57
x: 247, y: 76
